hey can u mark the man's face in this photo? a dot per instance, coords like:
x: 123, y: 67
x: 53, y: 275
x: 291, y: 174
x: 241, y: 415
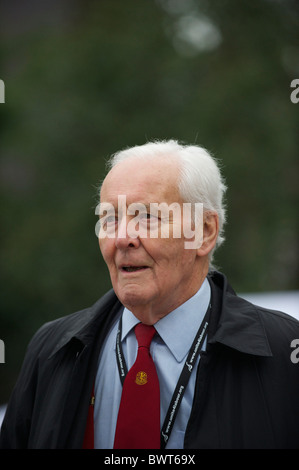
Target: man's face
x: 150, y: 276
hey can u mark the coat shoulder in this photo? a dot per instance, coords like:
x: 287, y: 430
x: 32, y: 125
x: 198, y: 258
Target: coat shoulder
x: 59, y: 331
x: 280, y: 327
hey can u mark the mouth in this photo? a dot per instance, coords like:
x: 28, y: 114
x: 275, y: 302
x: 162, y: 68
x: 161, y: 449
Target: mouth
x: 132, y: 269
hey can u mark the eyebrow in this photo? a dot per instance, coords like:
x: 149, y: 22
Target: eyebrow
x: 114, y: 208
x: 141, y: 204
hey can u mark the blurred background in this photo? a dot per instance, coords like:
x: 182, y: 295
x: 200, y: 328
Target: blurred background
x: 84, y: 79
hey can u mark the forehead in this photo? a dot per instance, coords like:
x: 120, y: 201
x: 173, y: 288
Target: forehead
x: 142, y: 180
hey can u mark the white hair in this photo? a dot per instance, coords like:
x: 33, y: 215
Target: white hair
x: 200, y: 177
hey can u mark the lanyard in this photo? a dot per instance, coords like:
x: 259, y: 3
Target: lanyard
x: 183, y: 379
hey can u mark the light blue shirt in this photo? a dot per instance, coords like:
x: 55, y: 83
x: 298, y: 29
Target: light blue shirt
x: 169, y: 350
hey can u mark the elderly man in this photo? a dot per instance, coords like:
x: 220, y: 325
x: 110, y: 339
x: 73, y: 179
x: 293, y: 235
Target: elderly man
x: 171, y: 357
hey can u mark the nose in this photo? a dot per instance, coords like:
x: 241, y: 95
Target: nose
x: 125, y: 238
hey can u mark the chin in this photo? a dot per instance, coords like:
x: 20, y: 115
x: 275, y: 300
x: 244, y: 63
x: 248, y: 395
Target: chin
x: 131, y: 297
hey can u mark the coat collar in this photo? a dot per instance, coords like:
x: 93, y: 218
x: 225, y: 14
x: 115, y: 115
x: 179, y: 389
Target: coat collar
x: 238, y: 325
x: 83, y: 326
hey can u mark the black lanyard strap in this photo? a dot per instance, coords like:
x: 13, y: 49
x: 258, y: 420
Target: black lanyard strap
x: 120, y: 359
x: 183, y: 380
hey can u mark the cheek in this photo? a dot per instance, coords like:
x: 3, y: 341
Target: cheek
x: 168, y: 253
x: 182, y: 258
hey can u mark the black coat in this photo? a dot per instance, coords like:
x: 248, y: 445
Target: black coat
x: 247, y: 387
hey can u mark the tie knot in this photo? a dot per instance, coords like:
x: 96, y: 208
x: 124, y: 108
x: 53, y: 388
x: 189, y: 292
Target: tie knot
x: 144, y: 334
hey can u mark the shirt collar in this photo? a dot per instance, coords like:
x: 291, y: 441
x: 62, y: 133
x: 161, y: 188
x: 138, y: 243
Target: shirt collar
x: 179, y: 327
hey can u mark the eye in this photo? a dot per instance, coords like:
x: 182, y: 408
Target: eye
x: 111, y: 219
x: 147, y: 217
x: 108, y: 221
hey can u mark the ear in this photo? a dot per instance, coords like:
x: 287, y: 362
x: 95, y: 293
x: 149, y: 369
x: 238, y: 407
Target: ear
x: 210, y: 232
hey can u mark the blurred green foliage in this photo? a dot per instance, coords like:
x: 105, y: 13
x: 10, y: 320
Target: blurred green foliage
x: 115, y: 74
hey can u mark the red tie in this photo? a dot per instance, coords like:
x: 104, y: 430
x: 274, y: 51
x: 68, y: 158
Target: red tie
x: 138, y: 422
